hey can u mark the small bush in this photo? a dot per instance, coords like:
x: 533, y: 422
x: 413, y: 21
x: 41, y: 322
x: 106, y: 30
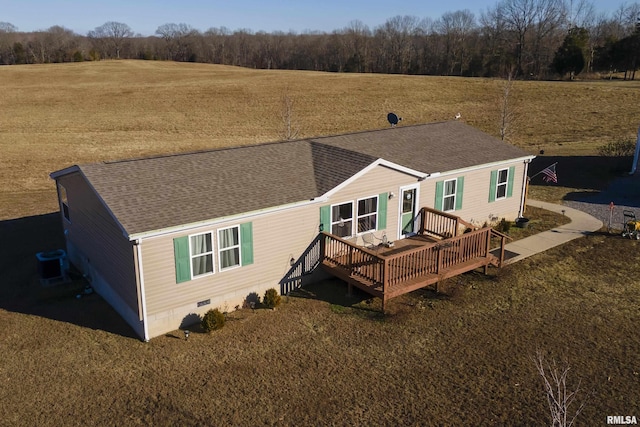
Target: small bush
x: 251, y: 301
x: 503, y: 226
x: 619, y: 148
x: 212, y: 320
x: 271, y: 298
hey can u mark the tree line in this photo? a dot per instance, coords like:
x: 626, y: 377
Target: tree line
x: 535, y: 39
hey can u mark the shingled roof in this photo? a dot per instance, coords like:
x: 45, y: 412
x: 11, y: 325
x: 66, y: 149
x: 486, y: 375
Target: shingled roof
x: 162, y: 192
x: 430, y: 148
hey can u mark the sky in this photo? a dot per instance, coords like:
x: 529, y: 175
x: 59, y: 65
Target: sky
x: 145, y: 16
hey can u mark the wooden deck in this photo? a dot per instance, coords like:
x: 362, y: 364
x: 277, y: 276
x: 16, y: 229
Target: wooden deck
x: 445, y: 246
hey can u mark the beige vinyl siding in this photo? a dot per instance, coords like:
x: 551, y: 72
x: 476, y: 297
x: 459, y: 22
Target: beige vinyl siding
x: 379, y: 180
x: 280, y: 236
x: 476, y: 207
x: 277, y: 237
x: 99, y: 240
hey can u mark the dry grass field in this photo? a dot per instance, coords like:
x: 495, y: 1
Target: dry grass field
x: 460, y: 357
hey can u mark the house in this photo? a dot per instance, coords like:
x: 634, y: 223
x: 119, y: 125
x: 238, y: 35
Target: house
x: 164, y: 238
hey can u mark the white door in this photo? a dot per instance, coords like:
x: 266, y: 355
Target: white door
x: 408, y: 211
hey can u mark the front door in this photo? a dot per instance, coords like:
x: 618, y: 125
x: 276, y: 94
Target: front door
x: 408, y: 210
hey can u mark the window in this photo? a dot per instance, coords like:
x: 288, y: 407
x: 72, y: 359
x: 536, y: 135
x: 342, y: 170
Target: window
x: 201, y: 252
x: 449, y: 196
x: 194, y: 254
x: 64, y: 202
x: 229, y: 247
x: 501, y: 183
x: 367, y: 214
x: 342, y: 219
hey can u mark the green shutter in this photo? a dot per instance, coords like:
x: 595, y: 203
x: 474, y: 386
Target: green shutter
x: 459, y: 192
x: 492, y: 186
x: 246, y: 243
x: 512, y: 173
x: 382, y: 210
x: 439, y: 193
x: 325, y: 218
x: 181, y: 255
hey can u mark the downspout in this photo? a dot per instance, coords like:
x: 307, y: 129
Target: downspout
x: 634, y: 166
x: 525, y: 181
x: 143, y: 297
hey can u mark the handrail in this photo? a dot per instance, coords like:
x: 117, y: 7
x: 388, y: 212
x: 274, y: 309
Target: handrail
x: 432, y: 259
x: 391, y: 270
x: 439, y: 224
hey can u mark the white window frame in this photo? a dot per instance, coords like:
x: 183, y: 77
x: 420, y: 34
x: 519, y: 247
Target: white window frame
x: 192, y: 256
x: 337, y: 221
x: 358, y: 216
x: 221, y: 249
x: 64, y: 202
x: 446, y: 196
x: 504, y: 184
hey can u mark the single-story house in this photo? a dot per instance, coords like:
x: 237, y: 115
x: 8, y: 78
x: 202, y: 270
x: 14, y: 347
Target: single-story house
x: 166, y: 237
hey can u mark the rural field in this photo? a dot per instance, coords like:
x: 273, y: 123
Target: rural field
x: 463, y: 356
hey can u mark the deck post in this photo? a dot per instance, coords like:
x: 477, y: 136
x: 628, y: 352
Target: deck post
x: 351, y: 267
x: 385, y: 276
x: 438, y: 265
x: 486, y: 266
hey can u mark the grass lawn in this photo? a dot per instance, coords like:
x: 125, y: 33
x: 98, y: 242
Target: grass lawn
x: 459, y: 357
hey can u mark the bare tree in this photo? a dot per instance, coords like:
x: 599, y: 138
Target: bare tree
x: 7, y: 37
x: 456, y: 27
x: 178, y: 39
x: 508, y: 109
x: 397, y: 36
x: 111, y: 36
x: 560, y: 396
x: 287, y: 102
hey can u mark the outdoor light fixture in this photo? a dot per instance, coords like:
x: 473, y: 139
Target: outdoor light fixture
x: 186, y: 334
x: 392, y: 195
x: 292, y: 261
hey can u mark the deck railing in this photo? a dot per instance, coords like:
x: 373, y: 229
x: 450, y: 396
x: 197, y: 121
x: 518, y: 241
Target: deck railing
x: 441, y: 224
x: 437, y: 257
x: 305, y: 265
x: 389, y: 272
x: 354, y: 260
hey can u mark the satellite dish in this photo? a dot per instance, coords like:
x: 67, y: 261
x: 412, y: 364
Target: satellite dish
x: 393, y: 119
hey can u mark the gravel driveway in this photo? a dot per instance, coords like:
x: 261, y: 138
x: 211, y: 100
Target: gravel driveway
x: 623, y: 192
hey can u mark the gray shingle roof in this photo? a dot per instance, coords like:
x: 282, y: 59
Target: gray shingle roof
x: 430, y: 148
x: 168, y: 191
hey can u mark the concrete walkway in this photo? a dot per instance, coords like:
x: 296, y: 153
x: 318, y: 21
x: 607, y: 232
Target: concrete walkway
x: 581, y: 224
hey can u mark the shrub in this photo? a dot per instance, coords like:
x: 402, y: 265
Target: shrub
x: 77, y: 56
x: 251, y: 301
x: 503, y: 226
x: 619, y: 148
x: 271, y: 298
x: 212, y: 320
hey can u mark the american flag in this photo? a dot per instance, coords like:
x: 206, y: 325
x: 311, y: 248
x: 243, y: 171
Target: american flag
x: 550, y: 174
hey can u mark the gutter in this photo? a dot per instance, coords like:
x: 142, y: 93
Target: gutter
x: 143, y: 297
x: 525, y: 183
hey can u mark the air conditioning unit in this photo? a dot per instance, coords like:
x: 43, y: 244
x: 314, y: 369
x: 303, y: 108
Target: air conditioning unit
x: 53, y: 267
